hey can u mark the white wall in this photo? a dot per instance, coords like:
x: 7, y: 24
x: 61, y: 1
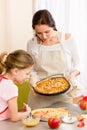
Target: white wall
x: 15, y: 24
x: 2, y: 25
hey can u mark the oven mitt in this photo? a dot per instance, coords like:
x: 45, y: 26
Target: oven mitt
x: 34, y: 78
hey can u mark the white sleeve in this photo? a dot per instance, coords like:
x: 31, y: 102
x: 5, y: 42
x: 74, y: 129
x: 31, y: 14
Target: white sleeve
x: 32, y: 47
x: 32, y: 50
x: 75, y: 55
x: 11, y: 91
x: 29, y: 46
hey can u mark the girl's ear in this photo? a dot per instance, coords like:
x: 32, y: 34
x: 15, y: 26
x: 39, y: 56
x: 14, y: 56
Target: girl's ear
x: 15, y: 71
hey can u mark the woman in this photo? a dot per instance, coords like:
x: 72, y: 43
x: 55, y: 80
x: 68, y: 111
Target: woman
x: 14, y: 67
x: 53, y: 53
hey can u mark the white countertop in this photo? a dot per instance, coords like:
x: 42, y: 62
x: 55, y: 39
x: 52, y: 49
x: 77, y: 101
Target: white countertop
x: 8, y: 125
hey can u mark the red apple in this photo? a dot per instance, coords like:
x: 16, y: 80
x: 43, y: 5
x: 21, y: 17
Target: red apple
x: 85, y: 98
x: 80, y: 118
x: 54, y: 122
x: 81, y: 124
x: 83, y: 104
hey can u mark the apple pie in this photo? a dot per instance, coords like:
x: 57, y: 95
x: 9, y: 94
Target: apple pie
x: 50, y: 112
x: 50, y: 86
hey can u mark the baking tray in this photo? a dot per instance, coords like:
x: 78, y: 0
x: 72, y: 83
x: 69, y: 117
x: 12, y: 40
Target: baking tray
x: 54, y: 79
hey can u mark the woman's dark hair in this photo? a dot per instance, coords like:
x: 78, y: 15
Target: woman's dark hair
x: 43, y: 17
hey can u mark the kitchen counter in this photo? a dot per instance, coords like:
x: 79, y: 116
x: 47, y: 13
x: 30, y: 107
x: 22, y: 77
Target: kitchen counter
x: 8, y: 125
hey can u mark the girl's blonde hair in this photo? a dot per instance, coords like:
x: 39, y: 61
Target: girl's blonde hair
x: 17, y: 59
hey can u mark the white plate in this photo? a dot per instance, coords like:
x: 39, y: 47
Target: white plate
x: 70, y: 119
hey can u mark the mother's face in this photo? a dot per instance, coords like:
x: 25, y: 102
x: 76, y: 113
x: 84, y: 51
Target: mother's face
x: 44, y: 32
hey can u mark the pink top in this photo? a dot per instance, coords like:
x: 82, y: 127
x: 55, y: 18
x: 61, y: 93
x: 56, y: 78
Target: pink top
x: 8, y: 90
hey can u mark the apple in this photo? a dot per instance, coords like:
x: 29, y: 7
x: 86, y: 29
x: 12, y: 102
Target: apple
x: 54, y: 122
x: 80, y: 118
x: 81, y: 124
x: 85, y: 98
x: 83, y: 103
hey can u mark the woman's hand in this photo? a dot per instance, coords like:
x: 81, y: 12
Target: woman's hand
x: 33, y: 79
x: 76, y: 100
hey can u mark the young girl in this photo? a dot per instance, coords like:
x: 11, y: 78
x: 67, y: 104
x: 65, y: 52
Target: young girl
x: 14, y: 67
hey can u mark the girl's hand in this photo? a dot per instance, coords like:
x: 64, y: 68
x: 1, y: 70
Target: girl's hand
x: 26, y: 108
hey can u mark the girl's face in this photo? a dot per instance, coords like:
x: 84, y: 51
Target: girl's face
x: 44, y: 32
x: 22, y: 75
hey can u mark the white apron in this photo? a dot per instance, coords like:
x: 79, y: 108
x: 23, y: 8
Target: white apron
x: 49, y: 63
